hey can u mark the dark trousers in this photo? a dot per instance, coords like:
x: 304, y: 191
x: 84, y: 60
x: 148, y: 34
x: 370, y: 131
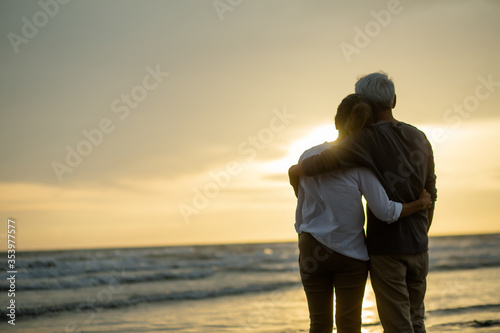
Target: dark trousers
x: 322, y: 270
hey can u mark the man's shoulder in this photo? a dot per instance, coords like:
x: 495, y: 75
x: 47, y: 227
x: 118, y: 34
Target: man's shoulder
x: 390, y: 124
x: 410, y: 127
x: 415, y: 134
x: 396, y: 128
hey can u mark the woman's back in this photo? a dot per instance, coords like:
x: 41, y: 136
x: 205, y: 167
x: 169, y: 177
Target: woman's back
x: 330, y: 207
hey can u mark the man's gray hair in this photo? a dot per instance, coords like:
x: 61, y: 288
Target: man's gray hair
x: 378, y: 89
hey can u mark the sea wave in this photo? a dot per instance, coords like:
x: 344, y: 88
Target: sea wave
x: 463, y: 264
x: 471, y: 308
x: 110, y: 279
x: 461, y: 325
x: 449, y: 253
x: 74, y: 269
x: 139, y: 299
x: 58, y: 280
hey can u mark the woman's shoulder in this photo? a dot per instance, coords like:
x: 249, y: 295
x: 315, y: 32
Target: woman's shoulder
x: 316, y: 150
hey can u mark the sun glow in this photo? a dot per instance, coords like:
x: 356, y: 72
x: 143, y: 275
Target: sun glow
x: 314, y: 137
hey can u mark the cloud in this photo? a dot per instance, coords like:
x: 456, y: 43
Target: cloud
x: 225, y: 80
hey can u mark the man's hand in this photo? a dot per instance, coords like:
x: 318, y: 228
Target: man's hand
x: 293, y: 174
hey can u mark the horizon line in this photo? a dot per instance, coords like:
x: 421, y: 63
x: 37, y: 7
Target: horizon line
x: 216, y: 243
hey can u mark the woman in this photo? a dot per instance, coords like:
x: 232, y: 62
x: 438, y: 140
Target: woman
x: 330, y: 220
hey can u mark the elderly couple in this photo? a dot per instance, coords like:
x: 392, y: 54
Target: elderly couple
x: 391, y: 164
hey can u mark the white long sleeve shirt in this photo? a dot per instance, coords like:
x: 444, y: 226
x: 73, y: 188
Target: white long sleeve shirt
x: 330, y: 208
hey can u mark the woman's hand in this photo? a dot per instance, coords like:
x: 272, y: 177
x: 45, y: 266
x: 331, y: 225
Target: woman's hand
x: 425, y: 200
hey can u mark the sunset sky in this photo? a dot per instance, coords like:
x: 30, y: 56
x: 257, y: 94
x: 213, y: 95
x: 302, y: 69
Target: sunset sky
x: 145, y: 123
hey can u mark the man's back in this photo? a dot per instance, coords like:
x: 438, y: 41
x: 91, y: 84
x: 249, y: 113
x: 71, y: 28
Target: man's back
x: 401, y: 157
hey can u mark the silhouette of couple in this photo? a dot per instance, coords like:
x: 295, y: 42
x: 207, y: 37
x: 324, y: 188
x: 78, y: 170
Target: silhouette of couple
x: 391, y: 164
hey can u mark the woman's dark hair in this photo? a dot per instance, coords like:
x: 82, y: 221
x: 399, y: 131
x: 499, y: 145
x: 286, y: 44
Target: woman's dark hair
x: 353, y: 114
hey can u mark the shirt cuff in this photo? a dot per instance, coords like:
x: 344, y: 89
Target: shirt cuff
x: 398, y: 207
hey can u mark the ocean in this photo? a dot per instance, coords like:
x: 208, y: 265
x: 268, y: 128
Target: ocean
x: 226, y: 288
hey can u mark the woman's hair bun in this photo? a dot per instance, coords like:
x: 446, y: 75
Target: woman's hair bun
x: 360, y: 116
x: 353, y: 113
